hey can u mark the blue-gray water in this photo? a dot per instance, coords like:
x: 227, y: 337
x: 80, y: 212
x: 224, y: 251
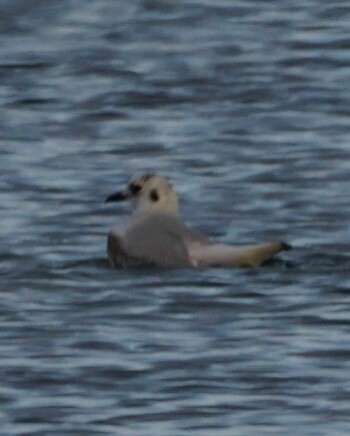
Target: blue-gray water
x: 245, y: 105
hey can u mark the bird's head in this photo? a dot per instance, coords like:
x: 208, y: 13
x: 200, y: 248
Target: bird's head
x: 149, y: 193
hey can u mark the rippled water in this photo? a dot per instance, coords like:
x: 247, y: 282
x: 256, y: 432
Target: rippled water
x: 245, y: 105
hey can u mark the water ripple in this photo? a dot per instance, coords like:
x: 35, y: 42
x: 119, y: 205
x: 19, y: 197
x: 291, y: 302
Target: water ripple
x: 245, y: 107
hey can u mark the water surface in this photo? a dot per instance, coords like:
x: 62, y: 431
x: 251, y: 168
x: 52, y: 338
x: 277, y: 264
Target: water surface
x: 245, y: 106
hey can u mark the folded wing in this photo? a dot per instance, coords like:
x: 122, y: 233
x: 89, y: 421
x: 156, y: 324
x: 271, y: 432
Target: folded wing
x: 157, y: 239
x: 163, y: 240
x: 234, y: 256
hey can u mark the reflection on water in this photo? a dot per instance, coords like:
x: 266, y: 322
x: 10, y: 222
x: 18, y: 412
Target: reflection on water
x: 245, y: 106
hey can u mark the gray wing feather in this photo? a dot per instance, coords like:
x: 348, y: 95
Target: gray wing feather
x: 116, y: 252
x: 159, y: 239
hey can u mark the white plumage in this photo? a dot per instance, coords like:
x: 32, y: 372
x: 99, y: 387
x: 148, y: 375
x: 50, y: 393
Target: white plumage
x: 154, y: 235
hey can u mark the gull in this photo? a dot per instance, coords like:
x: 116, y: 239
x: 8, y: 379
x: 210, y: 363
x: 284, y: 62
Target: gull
x: 154, y: 235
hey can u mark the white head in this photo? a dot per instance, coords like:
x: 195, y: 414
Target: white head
x: 149, y: 193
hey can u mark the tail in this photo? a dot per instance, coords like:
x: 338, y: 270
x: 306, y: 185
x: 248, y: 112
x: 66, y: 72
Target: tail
x: 235, y: 256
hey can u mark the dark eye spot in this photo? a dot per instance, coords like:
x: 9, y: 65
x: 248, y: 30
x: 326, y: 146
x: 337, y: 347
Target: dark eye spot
x: 135, y: 188
x: 153, y: 195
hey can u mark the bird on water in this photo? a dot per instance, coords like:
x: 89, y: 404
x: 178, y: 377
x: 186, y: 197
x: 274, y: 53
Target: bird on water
x: 154, y: 235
